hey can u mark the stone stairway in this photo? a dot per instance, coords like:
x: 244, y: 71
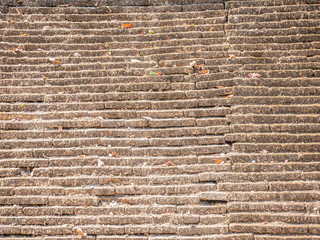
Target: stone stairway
x: 178, y: 119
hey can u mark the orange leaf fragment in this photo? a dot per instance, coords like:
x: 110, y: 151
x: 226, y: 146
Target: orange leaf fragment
x: 219, y: 161
x: 81, y: 233
x: 254, y: 75
x: 144, y: 33
x: 170, y: 163
x: 232, y: 56
x: 60, y: 128
x: 219, y: 86
x: 18, y: 49
x: 159, y: 73
x: 230, y: 96
x: 57, y: 61
x: 201, y: 50
x: 204, y: 71
x: 127, y: 25
x: 115, y: 154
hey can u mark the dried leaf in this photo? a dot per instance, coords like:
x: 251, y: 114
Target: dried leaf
x: 143, y: 33
x: 115, y: 154
x: 55, y: 61
x: 127, y: 25
x: 254, y: 75
x: 204, y: 71
x: 18, y: 49
x: 159, y: 73
x: 60, y: 128
x: 170, y: 163
x: 218, y: 161
x: 81, y: 232
x: 152, y: 73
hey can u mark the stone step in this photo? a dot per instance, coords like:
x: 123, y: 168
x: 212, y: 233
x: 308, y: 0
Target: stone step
x: 115, y: 39
x: 272, y: 119
x: 123, y: 151
x: 271, y: 9
x: 298, y: 73
x: 118, y: 133
x: 296, y: 196
x: 278, y: 39
x: 118, y: 17
x: 109, y: 161
x: 274, y: 109
x: 107, y: 191
x: 260, y: 48
x: 258, y: 177
x: 266, y: 207
x: 79, y: 181
x: 275, y: 128
x: 280, y: 82
x: 57, y: 31
x: 272, y: 137
x: 263, y: 3
x: 273, y: 186
x: 270, y: 167
x: 278, y: 16
x: 116, y: 220
x: 115, y: 142
x: 270, y: 237
x: 274, y: 32
x: 114, y: 105
x: 271, y: 228
x: 273, y: 25
x: 275, y: 157
x: 280, y: 100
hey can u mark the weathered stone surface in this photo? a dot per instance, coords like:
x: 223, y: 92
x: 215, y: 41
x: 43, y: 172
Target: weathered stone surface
x: 177, y: 119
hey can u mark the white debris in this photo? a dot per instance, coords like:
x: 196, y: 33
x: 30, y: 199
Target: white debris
x: 46, y: 28
x: 100, y: 163
x: 134, y: 60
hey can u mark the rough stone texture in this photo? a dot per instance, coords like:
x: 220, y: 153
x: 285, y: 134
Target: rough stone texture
x: 198, y: 122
